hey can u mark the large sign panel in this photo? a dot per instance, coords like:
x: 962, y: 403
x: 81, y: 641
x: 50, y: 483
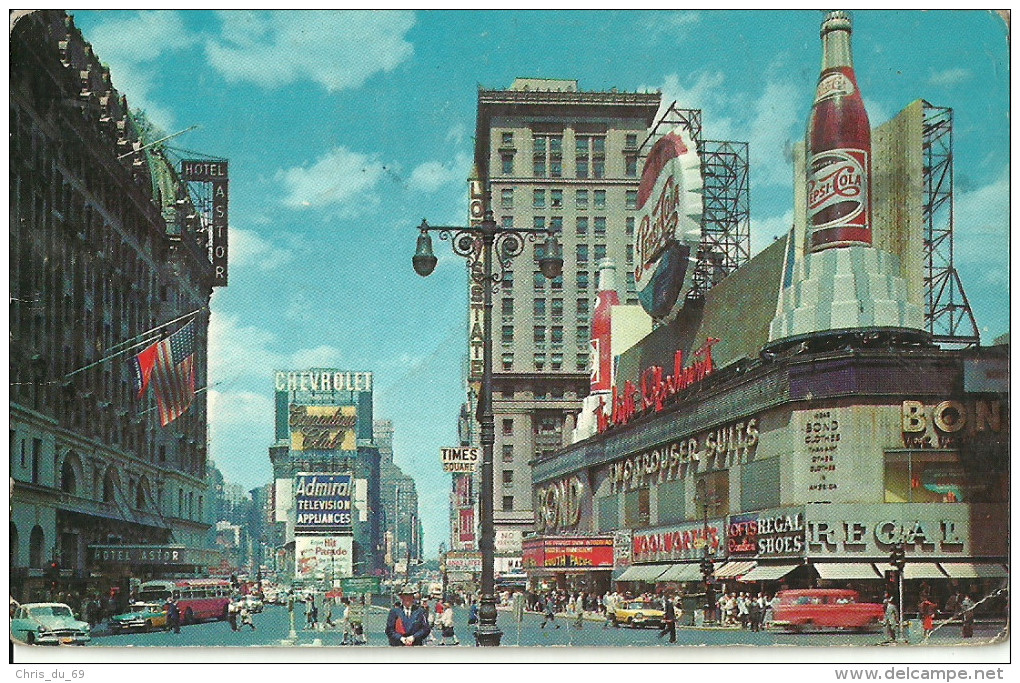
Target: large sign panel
x: 568, y: 552
x: 669, y: 224
x: 470, y: 562
x: 937, y: 530
x: 214, y: 173
x: 773, y: 533
x: 322, y: 502
x: 323, y: 427
x: 323, y: 557
x: 460, y: 459
x: 681, y: 542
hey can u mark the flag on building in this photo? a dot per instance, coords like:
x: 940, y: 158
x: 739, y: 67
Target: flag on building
x: 170, y: 364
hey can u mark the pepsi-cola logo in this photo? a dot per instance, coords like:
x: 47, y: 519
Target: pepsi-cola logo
x: 837, y: 176
x: 835, y: 84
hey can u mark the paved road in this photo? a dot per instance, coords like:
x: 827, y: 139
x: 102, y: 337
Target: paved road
x: 273, y: 627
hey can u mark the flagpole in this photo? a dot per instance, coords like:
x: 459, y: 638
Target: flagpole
x: 133, y: 345
x: 157, y: 327
x: 197, y: 391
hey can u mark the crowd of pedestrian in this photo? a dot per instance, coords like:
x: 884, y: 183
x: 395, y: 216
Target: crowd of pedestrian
x: 746, y: 610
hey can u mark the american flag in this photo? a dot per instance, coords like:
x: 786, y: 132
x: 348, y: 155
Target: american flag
x: 170, y: 363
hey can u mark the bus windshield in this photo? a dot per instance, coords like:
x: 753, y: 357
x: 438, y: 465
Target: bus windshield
x: 154, y: 595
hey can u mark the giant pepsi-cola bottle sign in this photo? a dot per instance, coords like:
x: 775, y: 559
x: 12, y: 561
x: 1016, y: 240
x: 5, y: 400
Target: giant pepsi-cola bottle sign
x: 839, y: 151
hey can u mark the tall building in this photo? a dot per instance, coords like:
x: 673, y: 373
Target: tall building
x: 551, y: 156
x: 399, y: 498
x: 99, y: 257
x: 326, y: 473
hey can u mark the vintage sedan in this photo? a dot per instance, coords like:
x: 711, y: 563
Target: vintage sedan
x: 638, y: 613
x: 48, y: 623
x: 141, y: 616
x: 825, y: 608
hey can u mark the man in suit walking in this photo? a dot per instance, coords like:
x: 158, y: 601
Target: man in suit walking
x: 407, y: 623
x: 668, y: 618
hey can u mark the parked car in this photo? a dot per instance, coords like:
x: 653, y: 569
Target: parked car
x: 825, y: 608
x: 638, y: 613
x: 48, y: 623
x: 141, y: 616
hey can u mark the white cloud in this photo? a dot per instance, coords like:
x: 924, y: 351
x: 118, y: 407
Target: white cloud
x: 668, y: 24
x: 764, y: 231
x: 950, y: 77
x: 130, y: 43
x: 981, y: 228
x: 338, y: 177
x: 336, y: 48
x: 237, y: 351
x: 432, y: 175
x: 240, y: 408
x: 767, y: 123
x: 247, y: 248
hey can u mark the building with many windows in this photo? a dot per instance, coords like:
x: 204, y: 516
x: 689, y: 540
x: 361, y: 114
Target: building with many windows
x: 398, y: 496
x: 551, y: 156
x: 98, y: 259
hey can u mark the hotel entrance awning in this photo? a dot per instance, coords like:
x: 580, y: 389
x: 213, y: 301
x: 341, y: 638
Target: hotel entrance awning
x: 846, y: 570
x: 769, y: 572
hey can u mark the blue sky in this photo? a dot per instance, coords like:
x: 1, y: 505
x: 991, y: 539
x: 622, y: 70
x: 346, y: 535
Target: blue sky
x: 344, y: 129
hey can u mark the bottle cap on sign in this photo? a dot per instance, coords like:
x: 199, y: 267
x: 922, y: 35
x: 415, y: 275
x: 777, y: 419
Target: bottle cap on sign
x: 837, y: 21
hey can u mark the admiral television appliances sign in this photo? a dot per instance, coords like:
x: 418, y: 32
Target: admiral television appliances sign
x: 322, y: 502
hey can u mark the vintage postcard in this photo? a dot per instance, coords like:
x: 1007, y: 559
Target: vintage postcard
x: 503, y: 336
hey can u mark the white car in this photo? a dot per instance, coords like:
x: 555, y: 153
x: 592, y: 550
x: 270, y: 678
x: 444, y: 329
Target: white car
x: 48, y: 623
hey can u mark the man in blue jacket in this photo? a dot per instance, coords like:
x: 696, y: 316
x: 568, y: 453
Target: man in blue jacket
x: 407, y: 623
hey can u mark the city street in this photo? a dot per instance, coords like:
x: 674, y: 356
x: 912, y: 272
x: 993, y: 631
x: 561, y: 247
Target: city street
x: 272, y: 628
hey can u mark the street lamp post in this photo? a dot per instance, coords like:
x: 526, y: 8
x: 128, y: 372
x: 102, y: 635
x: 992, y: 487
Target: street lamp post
x: 476, y: 244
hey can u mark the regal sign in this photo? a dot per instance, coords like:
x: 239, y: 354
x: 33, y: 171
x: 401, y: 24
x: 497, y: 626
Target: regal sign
x: 669, y: 227
x: 654, y: 389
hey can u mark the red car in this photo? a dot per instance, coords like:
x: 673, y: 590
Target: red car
x: 825, y: 608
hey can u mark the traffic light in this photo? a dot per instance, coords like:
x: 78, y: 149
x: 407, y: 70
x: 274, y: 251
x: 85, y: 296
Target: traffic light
x: 53, y: 574
x: 897, y: 557
x: 707, y: 569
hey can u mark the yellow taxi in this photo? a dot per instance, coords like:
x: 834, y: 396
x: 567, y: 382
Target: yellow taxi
x: 637, y: 613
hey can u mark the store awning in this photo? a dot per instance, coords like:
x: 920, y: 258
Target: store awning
x: 915, y: 570
x: 769, y: 572
x: 682, y: 572
x: 846, y: 570
x: 732, y: 570
x: 974, y: 570
x: 643, y: 572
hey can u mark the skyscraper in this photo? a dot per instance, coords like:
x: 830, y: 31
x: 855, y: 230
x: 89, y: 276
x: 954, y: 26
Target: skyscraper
x: 552, y: 156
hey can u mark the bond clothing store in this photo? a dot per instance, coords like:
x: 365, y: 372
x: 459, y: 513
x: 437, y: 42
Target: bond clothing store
x: 831, y: 465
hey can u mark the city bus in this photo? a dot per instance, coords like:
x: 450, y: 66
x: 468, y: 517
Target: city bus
x: 197, y: 599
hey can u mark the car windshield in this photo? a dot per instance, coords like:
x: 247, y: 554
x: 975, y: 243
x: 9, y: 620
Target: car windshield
x: 51, y: 611
x: 142, y: 607
x: 642, y: 605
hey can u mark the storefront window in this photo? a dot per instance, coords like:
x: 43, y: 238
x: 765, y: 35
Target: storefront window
x: 637, y: 508
x: 936, y: 477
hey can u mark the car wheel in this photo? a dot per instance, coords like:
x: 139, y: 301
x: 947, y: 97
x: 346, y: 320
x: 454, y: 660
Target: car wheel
x: 189, y: 617
x: 148, y: 625
x: 30, y: 638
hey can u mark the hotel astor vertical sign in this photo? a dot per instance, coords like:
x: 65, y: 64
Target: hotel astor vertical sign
x: 214, y: 173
